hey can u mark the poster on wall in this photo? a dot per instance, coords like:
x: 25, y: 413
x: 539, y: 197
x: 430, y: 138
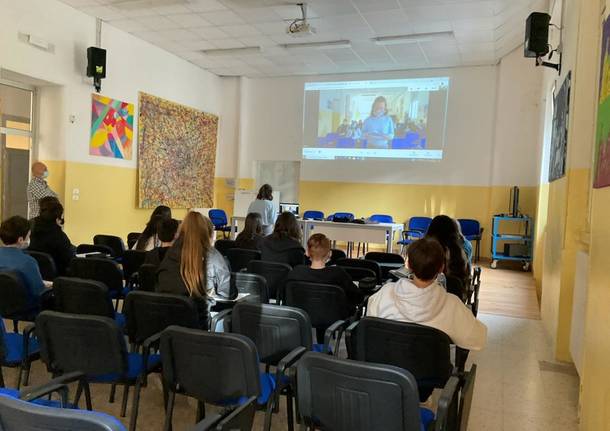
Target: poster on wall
x: 176, y: 154
x: 559, y: 137
x: 602, y: 137
x: 111, y: 128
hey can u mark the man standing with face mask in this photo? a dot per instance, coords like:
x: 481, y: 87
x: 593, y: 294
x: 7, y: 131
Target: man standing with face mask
x: 38, y: 188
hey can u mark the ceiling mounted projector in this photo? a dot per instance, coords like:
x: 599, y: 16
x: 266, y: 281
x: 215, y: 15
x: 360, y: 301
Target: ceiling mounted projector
x: 300, y: 27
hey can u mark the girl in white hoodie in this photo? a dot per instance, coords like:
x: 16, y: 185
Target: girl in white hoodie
x: 424, y: 301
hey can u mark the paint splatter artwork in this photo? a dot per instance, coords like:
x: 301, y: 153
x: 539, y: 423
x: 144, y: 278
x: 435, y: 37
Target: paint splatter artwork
x: 111, y: 128
x: 176, y: 154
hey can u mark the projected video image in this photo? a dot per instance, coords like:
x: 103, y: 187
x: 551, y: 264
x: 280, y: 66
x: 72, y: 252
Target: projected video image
x: 379, y: 119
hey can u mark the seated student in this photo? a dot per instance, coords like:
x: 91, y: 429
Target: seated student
x: 166, y: 232
x: 48, y: 235
x: 446, y: 231
x: 148, y: 238
x: 423, y: 300
x: 193, y: 267
x: 284, y: 244
x: 252, y: 235
x: 318, y: 250
x: 15, y: 235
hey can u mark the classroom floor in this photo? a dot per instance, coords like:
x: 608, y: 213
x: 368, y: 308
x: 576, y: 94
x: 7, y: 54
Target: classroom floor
x: 518, y: 386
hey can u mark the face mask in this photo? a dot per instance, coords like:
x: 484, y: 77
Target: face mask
x: 45, y: 174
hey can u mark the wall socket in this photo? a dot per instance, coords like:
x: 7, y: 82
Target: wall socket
x: 75, y: 194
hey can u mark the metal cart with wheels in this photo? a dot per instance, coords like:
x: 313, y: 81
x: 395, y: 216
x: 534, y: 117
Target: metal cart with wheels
x: 525, y: 238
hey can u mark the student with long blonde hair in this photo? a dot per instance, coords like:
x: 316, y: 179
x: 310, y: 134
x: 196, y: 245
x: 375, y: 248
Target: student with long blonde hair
x: 193, y: 267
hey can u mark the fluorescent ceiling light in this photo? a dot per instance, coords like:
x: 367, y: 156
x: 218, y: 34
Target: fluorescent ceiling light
x: 412, y: 38
x: 232, y: 51
x: 144, y: 4
x: 334, y: 44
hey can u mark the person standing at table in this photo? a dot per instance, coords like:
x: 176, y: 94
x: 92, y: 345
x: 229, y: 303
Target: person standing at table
x: 262, y: 205
x: 38, y: 188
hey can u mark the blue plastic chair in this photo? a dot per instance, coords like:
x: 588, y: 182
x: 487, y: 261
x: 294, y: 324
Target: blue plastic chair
x: 313, y: 215
x: 418, y: 226
x: 17, y: 350
x: 220, y: 221
x: 472, y: 231
x: 381, y: 218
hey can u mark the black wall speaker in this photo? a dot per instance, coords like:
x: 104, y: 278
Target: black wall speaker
x: 96, y: 62
x: 537, y: 35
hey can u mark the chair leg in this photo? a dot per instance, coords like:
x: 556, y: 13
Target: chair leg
x: 15, y: 326
x: 124, y: 401
x: 169, y: 411
x: 2, y: 385
x: 200, y: 411
x: 20, y: 375
x: 79, y: 392
x: 269, y: 413
x: 289, y: 412
x: 136, y: 403
x: 112, y: 393
x: 87, y: 391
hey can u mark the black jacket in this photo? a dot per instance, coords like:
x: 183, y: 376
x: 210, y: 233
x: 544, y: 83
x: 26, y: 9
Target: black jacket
x: 156, y: 255
x: 51, y: 239
x: 282, y: 250
x: 252, y: 243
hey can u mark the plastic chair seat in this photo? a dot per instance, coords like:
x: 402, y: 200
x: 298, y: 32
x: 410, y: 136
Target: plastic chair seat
x: 427, y: 416
x: 14, y: 348
x: 268, y: 386
x: 135, y: 367
x: 120, y: 320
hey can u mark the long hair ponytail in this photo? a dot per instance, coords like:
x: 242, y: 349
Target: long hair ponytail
x: 195, y: 232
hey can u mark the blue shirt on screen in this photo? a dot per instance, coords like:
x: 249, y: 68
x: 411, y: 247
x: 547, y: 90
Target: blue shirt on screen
x: 382, y: 125
x: 14, y: 259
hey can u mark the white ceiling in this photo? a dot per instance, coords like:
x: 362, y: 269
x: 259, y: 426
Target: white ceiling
x: 484, y: 31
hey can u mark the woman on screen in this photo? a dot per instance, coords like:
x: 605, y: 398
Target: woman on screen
x: 378, y: 129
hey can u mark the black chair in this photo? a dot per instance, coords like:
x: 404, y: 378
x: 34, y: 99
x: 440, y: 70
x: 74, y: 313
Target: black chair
x: 240, y: 419
x: 147, y: 277
x: 253, y: 284
x: 222, y: 245
x: 455, y: 402
x: 95, y: 346
x: 46, y: 264
x: 335, y: 255
x: 114, y: 242
x: 100, y: 269
x: 343, y: 395
x: 80, y: 296
x: 424, y: 351
x: 16, y: 301
x: 386, y: 261
x: 131, y: 262
x: 214, y: 368
x: 326, y: 306
x: 132, y: 238
x: 274, y: 273
x: 17, y: 350
x: 92, y: 248
x: 240, y: 257
x: 362, y: 263
x: 357, y: 274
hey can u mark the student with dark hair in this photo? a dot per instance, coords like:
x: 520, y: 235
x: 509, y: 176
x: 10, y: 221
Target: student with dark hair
x: 284, y: 244
x: 15, y: 236
x: 148, y: 238
x: 252, y: 235
x: 167, y: 231
x: 263, y: 206
x: 424, y: 301
x: 447, y: 232
x: 48, y: 235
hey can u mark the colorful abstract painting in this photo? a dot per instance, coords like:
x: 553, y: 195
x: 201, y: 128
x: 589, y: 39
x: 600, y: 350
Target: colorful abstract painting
x: 111, y: 128
x: 602, y: 137
x: 176, y: 154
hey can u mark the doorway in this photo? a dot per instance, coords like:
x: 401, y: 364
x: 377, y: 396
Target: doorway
x: 16, y: 108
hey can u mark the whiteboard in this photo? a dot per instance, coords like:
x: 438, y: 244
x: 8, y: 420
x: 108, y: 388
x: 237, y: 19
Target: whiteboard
x: 243, y: 199
x: 283, y: 176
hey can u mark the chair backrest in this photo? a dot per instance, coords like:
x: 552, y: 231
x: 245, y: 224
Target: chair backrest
x: 147, y: 277
x: 335, y: 255
x: 131, y: 262
x: 149, y: 313
x: 132, y: 238
x: 422, y: 350
x: 80, y: 296
x: 342, y: 217
x: 273, y: 272
x: 343, y: 395
x: 239, y: 258
x: 19, y: 415
x: 46, y: 264
x: 114, y: 242
x: 222, y: 245
x: 211, y: 367
x: 381, y: 218
x: 218, y: 217
x: 276, y: 330
x: 93, y: 248
x: 254, y: 284
x: 324, y: 303
x: 357, y: 274
x: 98, y: 269
x: 381, y: 257
x: 15, y: 298
x: 469, y: 227
x: 93, y: 345
x: 313, y: 215
x: 362, y: 263
x: 419, y: 223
